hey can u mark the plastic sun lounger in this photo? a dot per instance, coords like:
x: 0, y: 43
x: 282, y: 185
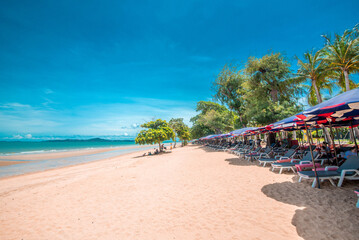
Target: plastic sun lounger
x: 245, y: 151
x: 252, y: 154
x: 348, y: 170
x: 287, y: 156
x: 241, y: 149
x: 357, y: 193
x: 327, y: 168
x: 257, y: 155
x: 291, y: 165
x: 307, y: 164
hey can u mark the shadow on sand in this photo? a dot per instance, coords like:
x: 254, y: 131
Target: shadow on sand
x: 240, y: 162
x: 152, y: 155
x: 328, y: 213
x: 207, y: 149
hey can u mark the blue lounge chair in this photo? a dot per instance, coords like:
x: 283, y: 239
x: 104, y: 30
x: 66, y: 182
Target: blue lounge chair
x: 258, y: 154
x: 291, y: 165
x: 348, y: 170
x: 288, y: 155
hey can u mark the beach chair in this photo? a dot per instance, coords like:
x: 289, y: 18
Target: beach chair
x: 290, y: 153
x: 256, y: 155
x: 244, y: 150
x: 348, y: 170
x: 290, y: 165
x: 233, y: 148
x: 240, y: 148
x: 250, y: 154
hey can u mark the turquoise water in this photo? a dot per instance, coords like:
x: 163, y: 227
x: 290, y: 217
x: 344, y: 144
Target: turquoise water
x: 29, y: 166
x: 23, y: 147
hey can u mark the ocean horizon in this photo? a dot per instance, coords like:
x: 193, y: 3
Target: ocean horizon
x: 42, y: 146
x: 16, y: 147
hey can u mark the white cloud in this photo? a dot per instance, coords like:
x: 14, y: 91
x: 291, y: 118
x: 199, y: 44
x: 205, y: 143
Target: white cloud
x: 14, y: 105
x: 126, y: 134
x: 17, y: 137
x: 28, y: 136
x: 90, y: 120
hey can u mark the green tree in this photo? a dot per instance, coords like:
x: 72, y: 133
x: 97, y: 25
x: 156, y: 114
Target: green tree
x: 229, y: 90
x: 184, y: 134
x: 218, y: 121
x: 270, y: 75
x: 155, y: 132
x: 271, y: 92
x: 213, y: 118
x: 342, y: 55
x: 199, y: 130
x: 180, y: 128
x: 316, y: 70
x: 205, y: 106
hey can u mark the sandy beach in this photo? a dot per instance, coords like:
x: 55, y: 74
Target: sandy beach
x: 191, y: 193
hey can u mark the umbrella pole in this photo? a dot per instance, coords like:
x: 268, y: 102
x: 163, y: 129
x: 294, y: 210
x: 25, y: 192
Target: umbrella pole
x: 355, y: 141
x: 336, y: 131
x: 311, y: 153
x: 302, y: 139
x: 332, y: 136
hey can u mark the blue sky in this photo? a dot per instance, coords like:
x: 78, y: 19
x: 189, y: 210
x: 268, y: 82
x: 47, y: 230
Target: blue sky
x: 101, y: 68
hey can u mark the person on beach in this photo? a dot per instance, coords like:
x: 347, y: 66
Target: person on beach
x: 350, y: 152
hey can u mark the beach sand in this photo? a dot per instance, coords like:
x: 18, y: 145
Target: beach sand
x: 7, y: 163
x: 191, y: 193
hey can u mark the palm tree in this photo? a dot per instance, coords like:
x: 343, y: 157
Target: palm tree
x: 317, y: 71
x: 342, y: 55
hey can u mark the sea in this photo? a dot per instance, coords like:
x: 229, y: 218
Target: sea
x: 31, y: 147
x: 27, y: 148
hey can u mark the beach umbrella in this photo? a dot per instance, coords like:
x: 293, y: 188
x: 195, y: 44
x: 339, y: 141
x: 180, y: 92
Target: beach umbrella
x: 341, y: 109
x: 225, y: 135
x: 345, y: 106
x: 241, y: 131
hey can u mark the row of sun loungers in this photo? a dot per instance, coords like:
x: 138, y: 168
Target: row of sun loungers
x: 297, y: 161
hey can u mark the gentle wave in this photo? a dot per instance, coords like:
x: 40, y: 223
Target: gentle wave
x: 54, y: 151
x: 17, y: 148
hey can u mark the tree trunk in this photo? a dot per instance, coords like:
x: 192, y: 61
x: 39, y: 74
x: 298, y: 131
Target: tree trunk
x: 346, y: 75
x: 274, y: 95
x: 320, y: 100
x: 347, y: 88
x: 327, y: 136
x: 356, y: 131
x: 241, y: 120
x: 271, y: 138
x: 319, y: 96
x: 159, y: 146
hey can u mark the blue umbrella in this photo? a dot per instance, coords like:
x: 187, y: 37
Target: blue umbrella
x: 241, y: 131
x: 345, y: 106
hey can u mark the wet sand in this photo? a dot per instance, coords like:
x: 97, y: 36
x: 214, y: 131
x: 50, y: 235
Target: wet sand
x: 191, y: 193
